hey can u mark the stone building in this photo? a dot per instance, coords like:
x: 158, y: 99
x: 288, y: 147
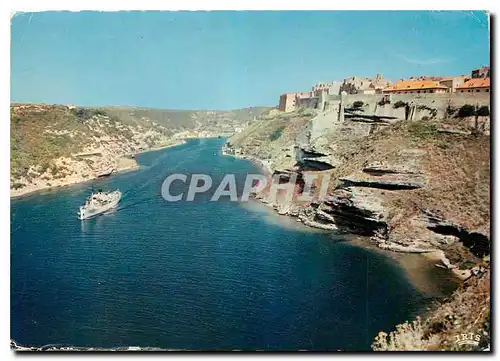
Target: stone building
x: 288, y: 101
x: 483, y: 72
x: 359, y: 85
x: 452, y: 82
x: 370, y: 91
x: 379, y: 83
x: 332, y: 88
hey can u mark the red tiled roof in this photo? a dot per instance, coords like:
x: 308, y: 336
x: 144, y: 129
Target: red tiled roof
x: 475, y: 83
x: 414, y: 85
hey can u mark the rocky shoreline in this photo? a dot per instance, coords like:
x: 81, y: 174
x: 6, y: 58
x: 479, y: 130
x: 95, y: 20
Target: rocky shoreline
x: 320, y: 218
x: 262, y: 164
x: 123, y: 163
x: 306, y: 216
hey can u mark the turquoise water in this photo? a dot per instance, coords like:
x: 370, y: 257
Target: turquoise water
x: 192, y: 275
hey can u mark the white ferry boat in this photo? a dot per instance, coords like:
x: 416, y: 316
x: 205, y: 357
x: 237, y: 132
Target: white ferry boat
x: 98, y: 203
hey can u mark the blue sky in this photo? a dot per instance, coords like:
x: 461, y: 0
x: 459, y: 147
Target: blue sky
x: 227, y: 60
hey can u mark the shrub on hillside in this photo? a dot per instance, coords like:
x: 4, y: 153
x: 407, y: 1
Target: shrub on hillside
x: 399, y: 104
x: 483, y: 111
x: 17, y: 185
x: 466, y: 110
x: 276, y: 134
x: 432, y: 111
x: 421, y: 130
x: 467, y: 265
x: 450, y: 111
x: 407, y: 337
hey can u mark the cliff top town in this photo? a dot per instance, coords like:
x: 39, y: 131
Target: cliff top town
x: 477, y: 82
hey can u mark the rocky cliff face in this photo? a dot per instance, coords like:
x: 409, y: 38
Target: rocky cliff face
x: 407, y: 185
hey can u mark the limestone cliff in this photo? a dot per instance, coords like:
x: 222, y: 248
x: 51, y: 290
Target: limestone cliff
x: 411, y: 186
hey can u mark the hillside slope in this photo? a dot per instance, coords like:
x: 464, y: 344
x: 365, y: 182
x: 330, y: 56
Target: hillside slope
x: 217, y: 122
x: 54, y: 145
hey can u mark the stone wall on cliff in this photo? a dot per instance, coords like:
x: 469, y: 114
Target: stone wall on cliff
x: 439, y: 102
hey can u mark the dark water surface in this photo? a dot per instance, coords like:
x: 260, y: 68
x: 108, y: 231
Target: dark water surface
x: 198, y: 275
